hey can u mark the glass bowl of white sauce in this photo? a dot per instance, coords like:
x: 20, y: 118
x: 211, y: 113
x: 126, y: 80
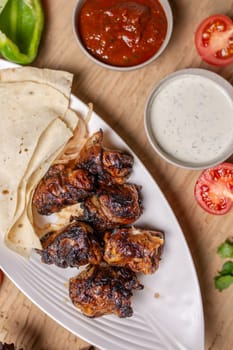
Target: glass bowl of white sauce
x: 189, y: 119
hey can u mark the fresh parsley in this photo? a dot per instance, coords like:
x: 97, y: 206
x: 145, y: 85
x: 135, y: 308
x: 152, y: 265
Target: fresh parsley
x: 225, y: 277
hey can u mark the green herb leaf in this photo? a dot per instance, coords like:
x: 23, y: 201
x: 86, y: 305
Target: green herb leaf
x: 222, y: 282
x: 225, y: 277
x: 225, y: 250
x: 227, y: 268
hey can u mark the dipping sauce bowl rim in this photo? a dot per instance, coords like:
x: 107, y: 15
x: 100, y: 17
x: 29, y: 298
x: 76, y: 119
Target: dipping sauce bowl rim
x: 204, y: 73
x: 168, y: 12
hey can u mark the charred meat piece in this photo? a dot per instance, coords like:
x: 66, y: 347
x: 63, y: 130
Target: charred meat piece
x: 117, y: 166
x: 101, y: 290
x: 109, y: 166
x: 62, y: 186
x: 137, y: 249
x: 112, y: 206
x: 67, y: 184
x: 74, y: 246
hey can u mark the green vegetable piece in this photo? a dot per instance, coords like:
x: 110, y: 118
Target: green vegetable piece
x: 223, y: 282
x: 227, y: 268
x: 21, y: 25
x: 225, y: 250
x: 225, y: 277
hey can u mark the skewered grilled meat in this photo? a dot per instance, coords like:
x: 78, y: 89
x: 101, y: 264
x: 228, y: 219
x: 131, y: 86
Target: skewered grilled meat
x: 112, y: 206
x: 73, y: 246
x: 109, y: 166
x: 62, y: 186
x: 137, y: 249
x: 101, y: 290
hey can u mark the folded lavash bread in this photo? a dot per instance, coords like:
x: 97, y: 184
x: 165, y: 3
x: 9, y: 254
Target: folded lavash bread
x: 35, y: 124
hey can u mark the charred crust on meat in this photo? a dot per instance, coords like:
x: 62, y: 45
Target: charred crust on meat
x: 101, y: 290
x: 74, y: 246
x: 61, y: 187
x: 112, y: 206
x: 137, y: 249
x: 68, y: 184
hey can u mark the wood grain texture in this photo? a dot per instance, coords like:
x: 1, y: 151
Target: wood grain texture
x: 120, y: 98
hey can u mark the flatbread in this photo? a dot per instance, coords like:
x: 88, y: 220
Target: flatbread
x: 35, y: 124
x: 21, y: 234
x: 57, y: 79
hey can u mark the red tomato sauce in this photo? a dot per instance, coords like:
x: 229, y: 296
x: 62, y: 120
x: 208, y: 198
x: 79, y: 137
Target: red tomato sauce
x: 121, y: 32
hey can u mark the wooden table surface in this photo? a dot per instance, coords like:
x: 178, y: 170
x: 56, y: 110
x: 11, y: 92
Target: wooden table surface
x: 120, y: 98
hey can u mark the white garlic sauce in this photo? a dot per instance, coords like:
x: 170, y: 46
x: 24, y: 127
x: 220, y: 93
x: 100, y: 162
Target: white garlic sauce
x: 192, y: 119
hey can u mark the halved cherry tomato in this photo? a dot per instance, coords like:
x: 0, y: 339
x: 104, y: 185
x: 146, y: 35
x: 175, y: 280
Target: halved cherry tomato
x: 1, y: 277
x: 214, y: 189
x: 214, y: 40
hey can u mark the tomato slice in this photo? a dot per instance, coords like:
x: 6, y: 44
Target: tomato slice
x: 1, y: 277
x: 214, y: 40
x: 214, y: 189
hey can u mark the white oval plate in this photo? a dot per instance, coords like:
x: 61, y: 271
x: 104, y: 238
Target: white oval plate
x: 171, y: 321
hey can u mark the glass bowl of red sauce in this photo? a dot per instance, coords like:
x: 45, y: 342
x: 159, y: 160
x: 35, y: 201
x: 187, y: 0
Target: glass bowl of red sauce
x: 122, y: 35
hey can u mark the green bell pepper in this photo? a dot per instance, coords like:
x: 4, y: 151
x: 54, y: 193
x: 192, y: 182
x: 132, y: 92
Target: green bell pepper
x: 21, y: 26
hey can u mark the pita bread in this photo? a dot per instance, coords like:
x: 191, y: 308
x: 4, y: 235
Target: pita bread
x: 35, y: 124
x: 21, y: 234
